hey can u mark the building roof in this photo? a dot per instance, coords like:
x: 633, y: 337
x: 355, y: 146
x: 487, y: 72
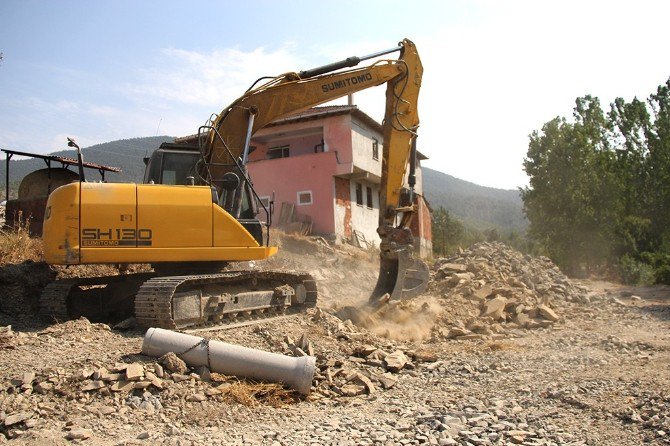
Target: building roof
x: 333, y: 110
x: 320, y: 112
x: 327, y: 111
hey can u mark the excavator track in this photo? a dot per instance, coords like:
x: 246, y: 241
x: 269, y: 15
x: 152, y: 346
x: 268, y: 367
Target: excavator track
x: 181, y: 301
x: 157, y: 302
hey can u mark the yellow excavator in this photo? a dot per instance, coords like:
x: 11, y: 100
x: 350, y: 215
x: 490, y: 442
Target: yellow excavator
x: 188, y: 232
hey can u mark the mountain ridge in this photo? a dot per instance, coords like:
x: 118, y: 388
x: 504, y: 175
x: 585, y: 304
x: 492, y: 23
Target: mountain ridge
x: 478, y: 206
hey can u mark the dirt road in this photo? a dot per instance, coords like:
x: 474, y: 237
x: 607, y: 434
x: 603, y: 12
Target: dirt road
x: 596, y: 376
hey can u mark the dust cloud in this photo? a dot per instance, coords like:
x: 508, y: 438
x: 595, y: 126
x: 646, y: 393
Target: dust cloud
x: 400, y: 321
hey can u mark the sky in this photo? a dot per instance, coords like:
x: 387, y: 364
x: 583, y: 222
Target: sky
x: 494, y: 71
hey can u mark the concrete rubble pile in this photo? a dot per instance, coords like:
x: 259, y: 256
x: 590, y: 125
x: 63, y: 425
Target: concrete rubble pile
x: 491, y: 287
x: 360, y: 366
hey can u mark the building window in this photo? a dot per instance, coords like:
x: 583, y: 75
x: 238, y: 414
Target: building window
x: 277, y: 152
x: 359, y: 194
x: 369, y: 196
x: 304, y: 197
x: 265, y: 201
x: 375, y: 149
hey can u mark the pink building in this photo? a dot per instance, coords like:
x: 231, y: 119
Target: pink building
x: 323, y: 167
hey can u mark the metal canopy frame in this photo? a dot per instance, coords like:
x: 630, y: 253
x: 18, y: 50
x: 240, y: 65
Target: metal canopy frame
x: 48, y: 159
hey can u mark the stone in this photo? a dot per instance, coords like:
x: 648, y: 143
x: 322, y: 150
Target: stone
x: 173, y: 363
x: 423, y: 355
x: 456, y: 267
x: 158, y: 370
x: 134, y: 371
x: 522, y: 320
x: 387, y: 380
x: 83, y: 374
x: 27, y: 378
x: 177, y: 377
x: 107, y: 410
x: 126, y: 324
x: 79, y: 434
x: 122, y: 386
x: 457, y: 332
x: 396, y: 361
x: 547, y: 313
x: 494, y: 308
x: 203, y: 373
x: 99, y: 373
x: 108, y: 377
x: 197, y: 397
x: 17, y: 418
x: 43, y: 387
x: 93, y: 385
x: 366, y: 382
x: 352, y: 390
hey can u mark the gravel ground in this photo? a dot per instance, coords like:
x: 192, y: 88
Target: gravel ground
x: 596, y: 376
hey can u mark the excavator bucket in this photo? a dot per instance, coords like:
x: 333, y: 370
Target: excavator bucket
x: 401, y: 275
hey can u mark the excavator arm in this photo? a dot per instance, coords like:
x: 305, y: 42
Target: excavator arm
x: 227, y: 142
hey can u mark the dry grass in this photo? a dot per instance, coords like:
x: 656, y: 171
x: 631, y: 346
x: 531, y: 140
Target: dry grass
x: 17, y: 246
x: 250, y: 394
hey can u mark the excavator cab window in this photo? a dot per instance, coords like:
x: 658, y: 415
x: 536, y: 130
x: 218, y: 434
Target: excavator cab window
x: 177, y: 167
x: 170, y: 167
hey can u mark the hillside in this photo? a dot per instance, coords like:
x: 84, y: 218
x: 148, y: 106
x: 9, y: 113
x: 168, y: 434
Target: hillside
x: 478, y: 206
x: 124, y: 153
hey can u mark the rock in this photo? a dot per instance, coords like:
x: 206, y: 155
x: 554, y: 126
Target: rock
x: 547, y: 313
x: 387, y: 380
x: 494, y: 308
x: 197, y: 397
x: 16, y: 418
x: 79, y: 434
x: 108, y: 377
x: 522, y: 320
x: 483, y: 292
x: 97, y: 374
x: 134, y: 371
x: 457, y: 332
x: 366, y: 382
x: 396, y: 361
x: 93, y: 385
x: 177, y: 377
x: 126, y: 324
x: 141, y: 384
x: 203, y: 373
x: 352, y: 390
x: 122, y: 386
x: 173, y: 363
x: 27, y: 378
x: 43, y: 387
x: 158, y: 370
x: 454, y: 267
x: 425, y: 356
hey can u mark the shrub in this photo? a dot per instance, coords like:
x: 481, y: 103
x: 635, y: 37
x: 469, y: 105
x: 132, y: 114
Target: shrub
x: 635, y: 272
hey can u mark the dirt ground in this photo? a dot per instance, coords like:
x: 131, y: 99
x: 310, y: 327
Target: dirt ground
x: 598, y: 375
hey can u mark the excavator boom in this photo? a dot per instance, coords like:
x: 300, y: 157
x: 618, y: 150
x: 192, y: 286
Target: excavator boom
x: 401, y: 275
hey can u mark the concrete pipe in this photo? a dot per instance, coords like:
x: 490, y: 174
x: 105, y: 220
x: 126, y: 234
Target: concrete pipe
x: 230, y: 359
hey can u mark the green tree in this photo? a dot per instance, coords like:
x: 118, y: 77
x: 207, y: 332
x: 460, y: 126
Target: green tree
x: 571, y: 194
x: 447, y: 231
